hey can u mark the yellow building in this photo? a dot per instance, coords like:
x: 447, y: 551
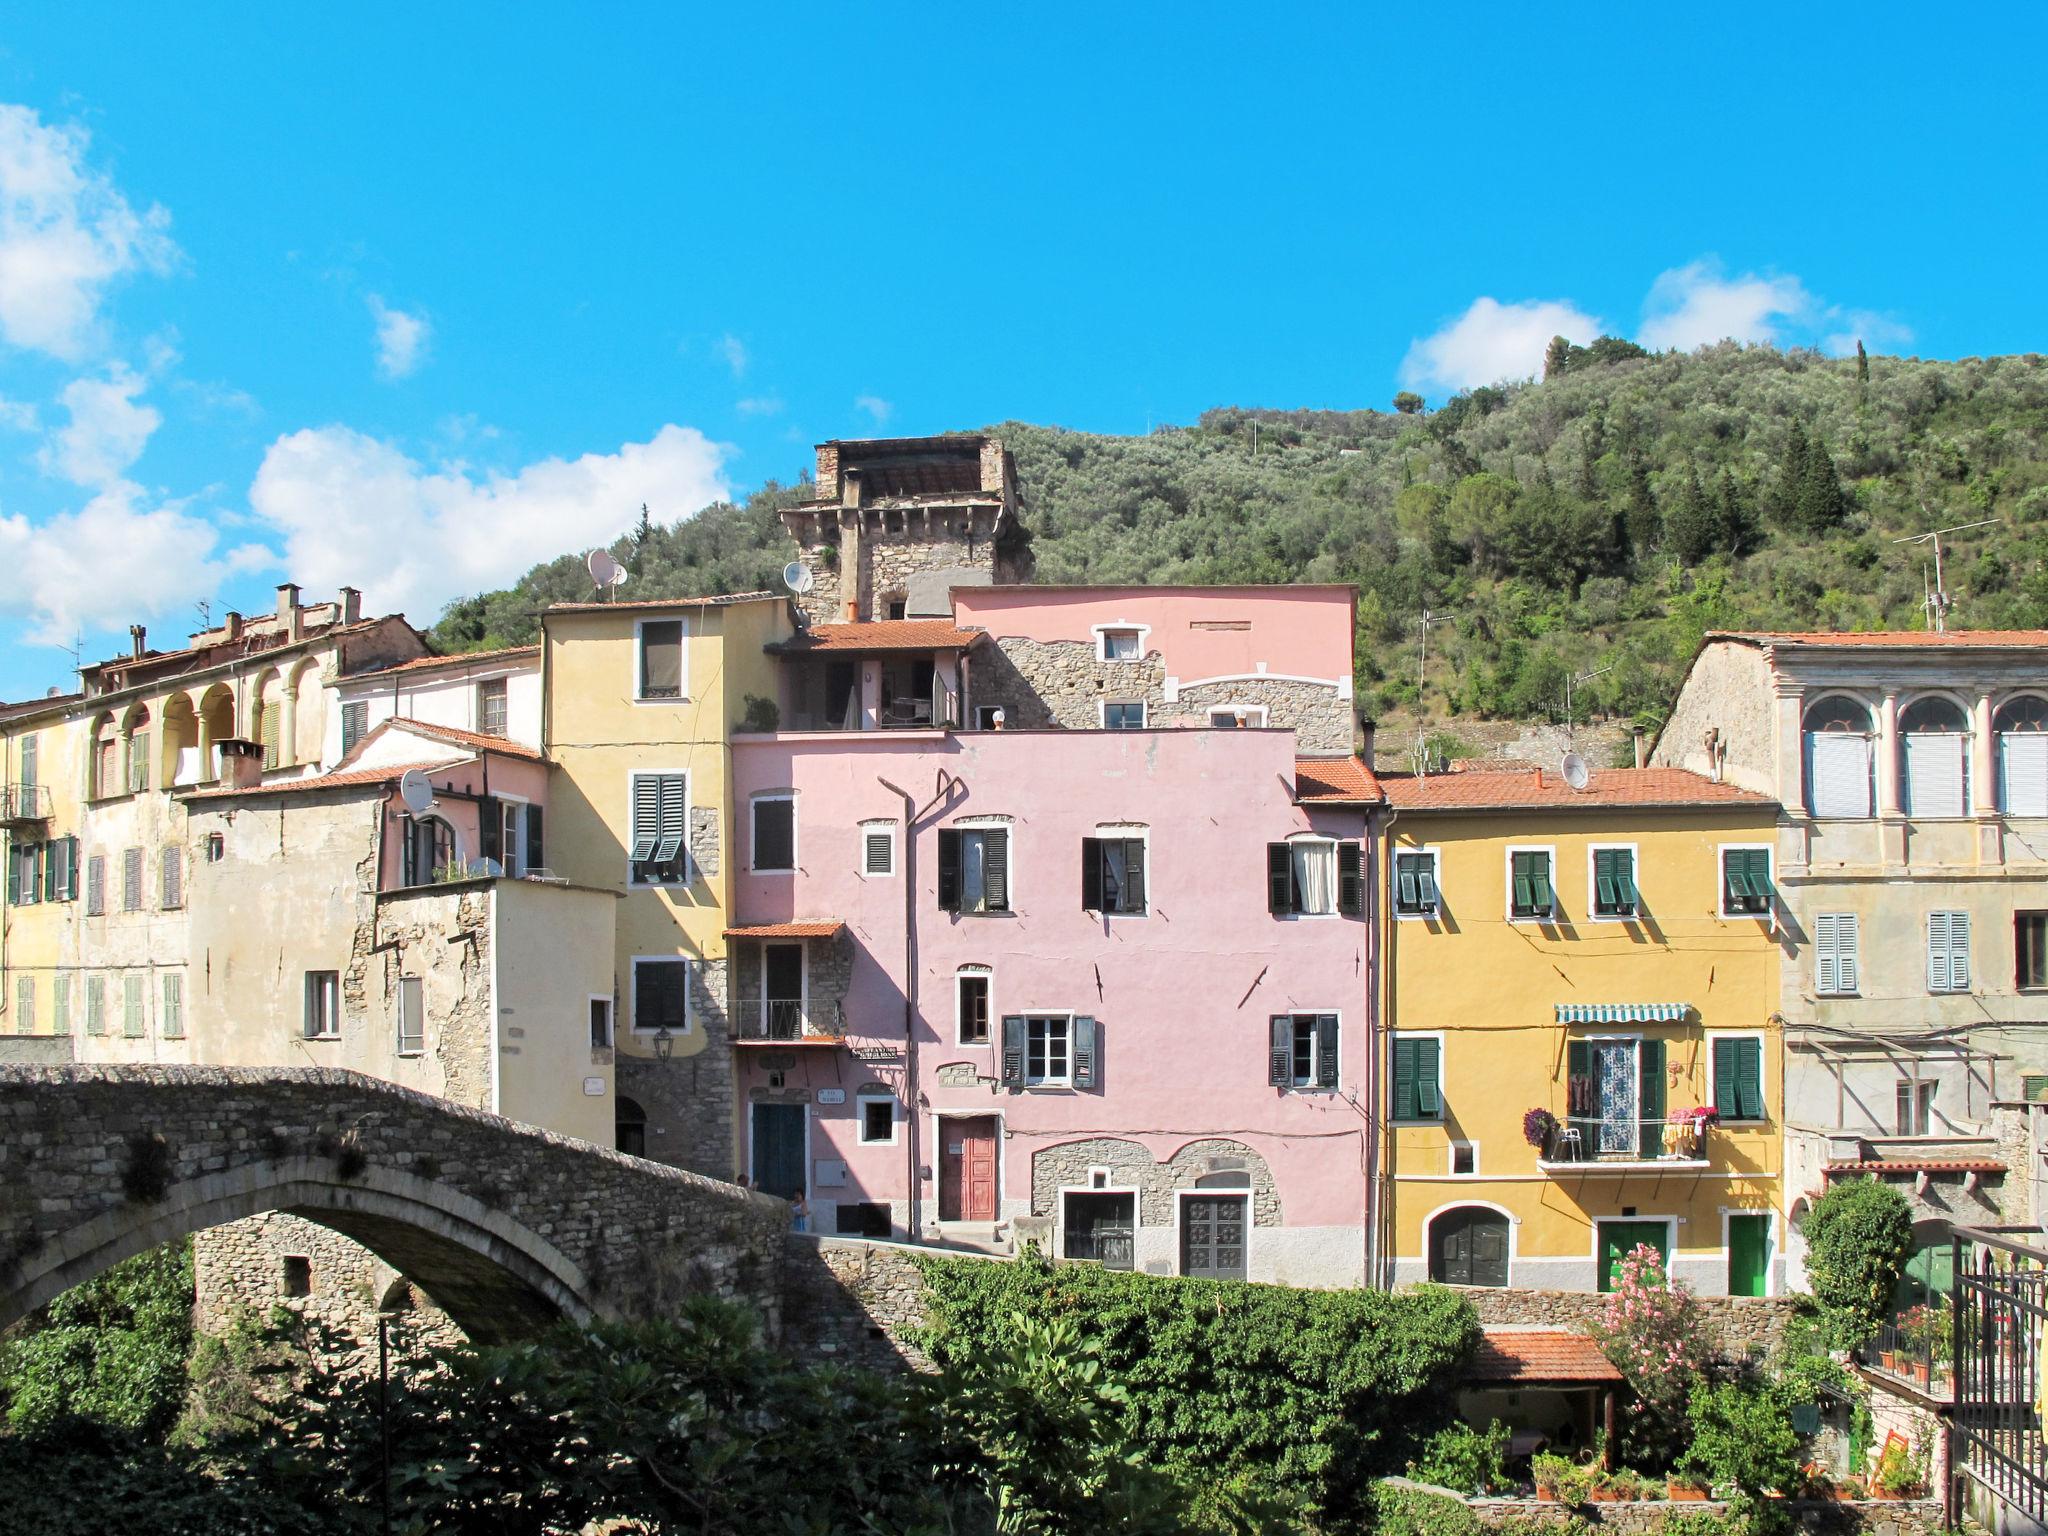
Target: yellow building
x: 1608, y: 956
x: 641, y: 700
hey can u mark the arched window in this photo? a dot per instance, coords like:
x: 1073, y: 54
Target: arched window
x: 104, y: 767
x: 430, y: 849
x: 2021, y: 726
x: 632, y: 1127
x: 1468, y: 1245
x: 216, y: 725
x: 135, y: 749
x: 1838, y: 757
x: 1934, y: 734
x: 178, y: 754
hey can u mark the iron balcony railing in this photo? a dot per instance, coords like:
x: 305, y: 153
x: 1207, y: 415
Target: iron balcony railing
x: 24, y: 802
x: 1594, y: 1139
x: 1999, y: 1308
x: 1916, y: 1348
x: 778, y: 1018
x: 1110, y: 1246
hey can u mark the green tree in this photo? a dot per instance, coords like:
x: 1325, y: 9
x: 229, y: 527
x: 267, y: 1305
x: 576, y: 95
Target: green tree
x: 1408, y: 403
x: 1693, y: 527
x: 1744, y: 1447
x: 1557, y: 357
x: 1858, y: 1236
x: 1790, y: 483
x: 108, y: 1353
x: 1821, y: 504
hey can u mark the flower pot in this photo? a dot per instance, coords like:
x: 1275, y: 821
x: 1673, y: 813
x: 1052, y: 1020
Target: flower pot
x: 1887, y: 1359
x: 1918, y: 1371
x: 1685, y: 1493
x: 1604, y: 1496
x: 1545, y: 1495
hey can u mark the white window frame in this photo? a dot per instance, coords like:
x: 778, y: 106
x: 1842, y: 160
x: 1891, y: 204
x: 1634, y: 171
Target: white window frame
x: 986, y: 973
x: 868, y: 829
x: 1006, y: 825
x: 1048, y: 1015
x: 1555, y: 917
x: 502, y: 681
x: 1770, y: 851
x: 862, y: 1099
x: 1451, y: 1155
x: 517, y: 845
x: 682, y: 668
x: 333, y: 1031
x: 1925, y: 1114
x: 1102, y: 632
x: 1128, y: 832
x: 1102, y: 707
x: 1249, y: 711
x: 1434, y: 854
x: 753, y: 854
x: 399, y: 1047
x: 686, y: 858
x: 633, y: 999
x: 1336, y: 877
x: 1182, y: 1196
x: 1635, y: 875
x: 1713, y: 1086
x: 611, y: 1017
x: 1443, y: 1073
x: 1315, y: 1051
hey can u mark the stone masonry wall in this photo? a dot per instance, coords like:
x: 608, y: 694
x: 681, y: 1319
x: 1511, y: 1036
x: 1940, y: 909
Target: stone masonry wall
x: 1647, y: 1517
x: 689, y: 1099
x: 854, y: 1303
x: 1066, y: 1167
x: 1738, y: 1325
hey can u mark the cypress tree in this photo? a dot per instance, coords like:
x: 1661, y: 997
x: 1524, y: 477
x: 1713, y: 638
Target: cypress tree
x: 1644, y: 522
x: 1783, y: 503
x: 1821, y: 503
x: 1692, y: 527
x: 1557, y: 357
x: 1737, y: 520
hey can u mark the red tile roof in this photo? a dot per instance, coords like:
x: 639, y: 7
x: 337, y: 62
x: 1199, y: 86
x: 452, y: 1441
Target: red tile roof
x: 1995, y: 639
x: 462, y: 659
x: 1342, y: 779
x: 357, y: 779
x: 475, y: 740
x: 1916, y: 1165
x: 823, y: 930
x: 718, y: 600
x: 1608, y: 788
x: 1539, y: 1357
x: 880, y: 635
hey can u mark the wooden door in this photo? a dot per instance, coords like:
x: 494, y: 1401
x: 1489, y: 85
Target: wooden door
x: 779, y: 1149
x: 1212, y: 1236
x: 967, y: 1171
x: 1618, y: 1239
x: 1749, y: 1255
x: 1469, y: 1247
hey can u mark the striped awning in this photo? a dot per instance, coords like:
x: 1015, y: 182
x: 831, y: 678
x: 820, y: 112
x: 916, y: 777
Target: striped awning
x: 1622, y: 1013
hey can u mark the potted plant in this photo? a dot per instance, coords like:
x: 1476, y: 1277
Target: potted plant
x: 1553, y: 1474
x: 1538, y: 1126
x: 1900, y: 1473
x: 1685, y: 1487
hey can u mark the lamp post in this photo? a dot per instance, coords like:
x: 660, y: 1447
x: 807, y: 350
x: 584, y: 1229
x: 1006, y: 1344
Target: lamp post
x: 664, y: 1044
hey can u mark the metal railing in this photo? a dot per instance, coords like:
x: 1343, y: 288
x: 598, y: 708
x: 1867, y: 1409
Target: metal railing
x: 2000, y: 1307
x: 1595, y: 1139
x: 780, y: 1018
x: 1110, y: 1246
x: 24, y: 802
x: 1915, y: 1348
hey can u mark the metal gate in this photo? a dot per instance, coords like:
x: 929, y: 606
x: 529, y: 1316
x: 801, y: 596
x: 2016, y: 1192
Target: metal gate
x: 2001, y: 1307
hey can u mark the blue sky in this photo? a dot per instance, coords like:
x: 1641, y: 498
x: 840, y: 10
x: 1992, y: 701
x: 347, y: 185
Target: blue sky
x: 414, y: 296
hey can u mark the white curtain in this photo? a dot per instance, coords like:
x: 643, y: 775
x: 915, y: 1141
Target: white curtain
x: 972, y: 889
x: 1935, y: 766
x: 1838, y: 773
x: 2023, y: 766
x: 1315, y: 875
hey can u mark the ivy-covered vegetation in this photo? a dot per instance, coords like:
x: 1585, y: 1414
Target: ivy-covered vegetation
x: 1259, y: 1391
x: 1858, y: 1237
x: 1605, y: 517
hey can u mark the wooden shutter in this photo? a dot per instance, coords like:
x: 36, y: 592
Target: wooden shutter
x: 1279, y: 879
x: 28, y: 760
x: 1934, y: 774
x: 1429, y: 1102
x: 1838, y: 765
x: 1937, y: 952
x: 173, y: 869
x: 1134, y: 875
x: 1948, y: 951
x: 1351, y: 879
x: 1280, y: 1060
x: 95, y: 1005
x: 96, y: 885
x: 1013, y: 1050
x: 877, y: 848
x: 174, y: 1006
x: 646, y: 1002
x: 14, y: 875
x: 949, y: 870
x: 60, y: 1004
x: 1085, y: 1052
x: 995, y: 869
x: 646, y: 815
x: 1650, y: 1096
x: 672, y: 820
x: 2022, y: 771
x: 1727, y: 1094
x: 1407, y: 884
x: 490, y: 830
x: 46, y: 872
x: 1847, y: 963
x: 131, y: 880
x: 131, y: 1006
x: 1091, y: 874
x: 536, y: 846
x: 1827, y: 965
x: 1749, y: 1078
x: 273, y: 717
x: 1326, y: 1050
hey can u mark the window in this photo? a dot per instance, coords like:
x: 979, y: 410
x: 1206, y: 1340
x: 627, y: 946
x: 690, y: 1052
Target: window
x: 2030, y: 949
x: 629, y: 1127
x: 25, y: 1005
x: 536, y: 852
x: 877, y: 1121
x: 323, y: 1005
x: 1835, y: 969
x: 2021, y: 729
x: 1464, y: 1159
x: 96, y: 885
x: 1915, y: 1106
x: 974, y: 869
x: 24, y: 875
x: 878, y: 851
x: 1615, y: 1095
x: 1934, y: 739
x: 1530, y: 896
x: 1049, y: 1050
x: 1113, y: 875
x: 95, y: 1005
x: 1236, y: 717
x: 1614, y: 882
x: 1746, y: 887
x: 412, y: 1016
x: 600, y: 1023
x: 1120, y: 644
x: 1304, y: 1050
x: 28, y: 761
x: 1838, y: 758
x: 774, y: 833
x: 898, y: 607
x: 1738, y: 1068
x: 298, y: 1275
x: 1048, y: 1042
x: 661, y: 989
x: 174, y: 1006
x: 355, y: 725
x: 1314, y: 877
x: 60, y: 1005
x: 1948, y: 951
x: 661, y: 818
x: 490, y: 707
x: 971, y: 1014
x: 131, y: 880
x: 1123, y: 717
x: 132, y: 1019
x: 429, y: 849
x: 988, y: 717
x: 1415, y: 891
x: 1418, y: 1094
x: 216, y: 847
x: 661, y: 659
x: 171, y: 868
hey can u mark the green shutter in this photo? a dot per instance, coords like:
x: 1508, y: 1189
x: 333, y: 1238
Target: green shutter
x: 14, y: 875
x: 1650, y: 1064
x: 1428, y: 1095
x: 1749, y: 1078
x: 1404, y: 1080
x: 1539, y: 877
x: 1351, y: 879
x: 1727, y: 1093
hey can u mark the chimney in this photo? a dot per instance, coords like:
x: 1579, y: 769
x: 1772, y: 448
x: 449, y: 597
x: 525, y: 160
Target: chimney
x: 1639, y: 747
x: 241, y: 763
x: 351, y: 605
x: 1368, y: 728
x: 231, y: 625
x: 287, y: 602
x: 137, y: 640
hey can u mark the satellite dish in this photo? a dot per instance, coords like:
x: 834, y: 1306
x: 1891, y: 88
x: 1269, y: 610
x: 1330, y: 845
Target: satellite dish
x: 1575, y: 771
x: 797, y: 577
x: 604, y: 570
x: 415, y: 790
x: 492, y: 868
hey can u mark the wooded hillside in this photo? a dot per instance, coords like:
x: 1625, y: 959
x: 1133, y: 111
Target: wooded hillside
x: 1602, y: 518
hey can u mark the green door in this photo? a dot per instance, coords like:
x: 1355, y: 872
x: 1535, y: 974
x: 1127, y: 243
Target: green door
x: 1749, y: 1255
x: 1929, y: 1275
x: 1618, y: 1239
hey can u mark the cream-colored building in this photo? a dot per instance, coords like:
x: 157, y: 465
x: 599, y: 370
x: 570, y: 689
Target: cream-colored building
x: 487, y: 693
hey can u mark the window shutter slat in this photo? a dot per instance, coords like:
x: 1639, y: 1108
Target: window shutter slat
x: 1650, y: 1140
x: 1749, y: 1077
x: 1134, y: 875
x: 1326, y: 1050
x: 949, y: 870
x: 1279, y: 879
x: 1091, y: 874
x: 1013, y: 1050
x: 1959, y: 951
x: 1847, y: 961
x: 1827, y: 967
x: 1351, y: 879
x: 1937, y: 952
x: 995, y: 868
x: 1084, y: 1051
x: 1280, y: 1052
x: 1726, y: 1092
x: 1429, y: 1101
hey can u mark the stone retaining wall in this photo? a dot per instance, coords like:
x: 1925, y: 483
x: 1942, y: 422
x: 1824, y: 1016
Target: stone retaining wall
x: 1738, y: 1325
x: 1646, y: 1517
x: 241, y: 1267
x: 855, y: 1303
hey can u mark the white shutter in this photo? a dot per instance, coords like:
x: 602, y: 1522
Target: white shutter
x: 1839, y: 764
x: 2023, y: 771
x: 1937, y: 952
x: 1846, y: 970
x: 1827, y: 973
x: 1959, y: 951
x: 1934, y: 774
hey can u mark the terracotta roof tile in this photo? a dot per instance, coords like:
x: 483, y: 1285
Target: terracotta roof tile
x: 464, y: 658
x: 1539, y: 1356
x: 1473, y: 790
x: 1916, y: 1165
x: 822, y: 930
x: 460, y: 738
x: 717, y: 600
x: 1334, y: 778
x: 880, y: 635
x: 1909, y: 639
x: 356, y: 779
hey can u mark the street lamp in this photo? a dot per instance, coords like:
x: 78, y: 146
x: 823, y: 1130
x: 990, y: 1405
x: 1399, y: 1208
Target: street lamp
x: 664, y: 1044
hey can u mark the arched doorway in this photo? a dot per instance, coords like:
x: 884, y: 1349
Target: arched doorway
x: 1468, y: 1245
x: 631, y: 1123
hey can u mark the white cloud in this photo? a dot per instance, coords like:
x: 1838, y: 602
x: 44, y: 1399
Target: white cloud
x: 760, y: 405
x: 66, y: 233
x: 1492, y: 341
x: 1696, y: 305
x: 354, y: 510
x: 734, y: 351
x: 107, y: 432
x: 19, y: 415
x: 402, y: 338
x: 876, y: 407
x: 1878, y: 333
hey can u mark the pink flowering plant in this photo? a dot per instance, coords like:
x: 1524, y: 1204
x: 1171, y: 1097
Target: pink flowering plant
x: 1650, y: 1328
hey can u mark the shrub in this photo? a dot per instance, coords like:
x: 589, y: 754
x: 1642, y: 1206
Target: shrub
x: 1650, y: 1328
x: 1744, y: 1446
x: 107, y: 1353
x: 1465, y: 1459
x: 1402, y: 1510
x: 1901, y: 1470
x: 1858, y: 1235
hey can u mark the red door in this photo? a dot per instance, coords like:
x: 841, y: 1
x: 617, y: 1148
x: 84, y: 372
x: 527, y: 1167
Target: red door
x: 967, y: 1173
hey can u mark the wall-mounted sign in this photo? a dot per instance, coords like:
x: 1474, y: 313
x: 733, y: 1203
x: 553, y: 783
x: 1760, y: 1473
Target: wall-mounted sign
x: 593, y: 1087
x: 876, y: 1052
x: 831, y: 1095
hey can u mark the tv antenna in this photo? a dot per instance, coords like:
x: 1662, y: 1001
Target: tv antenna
x: 1938, y: 602
x: 205, y: 607
x: 1570, y: 684
x: 1422, y: 663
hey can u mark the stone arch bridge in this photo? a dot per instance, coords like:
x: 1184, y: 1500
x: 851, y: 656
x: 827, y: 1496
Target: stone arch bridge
x: 507, y: 1227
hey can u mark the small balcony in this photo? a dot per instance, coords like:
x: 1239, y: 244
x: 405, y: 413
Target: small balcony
x: 1914, y: 1348
x: 786, y: 1021
x: 23, y: 803
x: 1592, y: 1144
